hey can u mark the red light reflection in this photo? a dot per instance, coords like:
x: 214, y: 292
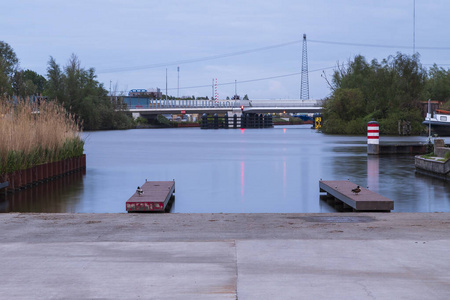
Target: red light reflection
x: 242, y: 177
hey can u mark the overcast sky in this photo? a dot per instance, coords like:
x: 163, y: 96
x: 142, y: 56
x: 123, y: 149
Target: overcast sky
x: 131, y: 43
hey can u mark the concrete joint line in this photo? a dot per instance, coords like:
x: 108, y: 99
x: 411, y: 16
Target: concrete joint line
x: 237, y: 270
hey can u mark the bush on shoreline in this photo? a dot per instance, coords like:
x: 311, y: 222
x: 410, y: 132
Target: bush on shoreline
x: 31, y: 135
x: 388, y: 92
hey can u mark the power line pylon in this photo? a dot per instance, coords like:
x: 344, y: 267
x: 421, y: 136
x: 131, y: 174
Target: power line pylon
x: 304, y: 88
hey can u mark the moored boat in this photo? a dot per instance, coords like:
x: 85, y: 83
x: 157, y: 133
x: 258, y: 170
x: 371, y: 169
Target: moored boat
x: 439, y: 122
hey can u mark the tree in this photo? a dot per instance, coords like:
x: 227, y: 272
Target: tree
x: 22, y: 86
x: 389, y: 91
x: 17, y: 84
x: 344, y: 112
x: 438, y: 84
x: 84, y: 96
x: 245, y: 97
x: 39, y: 81
x: 54, y: 88
x: 4, y: 82
x: 74, y: 82
x: 8, y: 59
x: 27, y: 83
x: 8, y: 65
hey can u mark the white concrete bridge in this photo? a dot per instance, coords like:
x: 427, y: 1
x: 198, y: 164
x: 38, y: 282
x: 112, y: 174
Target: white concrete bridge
x: 153, y: 107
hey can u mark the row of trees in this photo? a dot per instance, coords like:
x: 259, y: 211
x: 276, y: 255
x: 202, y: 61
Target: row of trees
x: 388, y: 91
x: 79, y: 91
x: 72, y: 86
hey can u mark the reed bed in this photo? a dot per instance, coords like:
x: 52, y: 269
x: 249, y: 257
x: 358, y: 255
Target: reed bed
x: 33, y: 134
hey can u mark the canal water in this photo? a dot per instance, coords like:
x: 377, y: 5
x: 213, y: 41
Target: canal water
x: 232, y: 171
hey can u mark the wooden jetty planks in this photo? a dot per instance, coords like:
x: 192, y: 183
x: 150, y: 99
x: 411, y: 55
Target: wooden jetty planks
x: 155, y: 196
x: 365, y: 200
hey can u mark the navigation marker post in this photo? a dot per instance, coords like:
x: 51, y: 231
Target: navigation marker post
x: 373, y: 138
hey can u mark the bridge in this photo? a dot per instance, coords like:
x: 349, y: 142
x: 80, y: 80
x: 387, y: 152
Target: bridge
x: 146, y: 107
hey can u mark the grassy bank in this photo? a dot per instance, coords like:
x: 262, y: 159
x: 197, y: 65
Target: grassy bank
x: 31, y: 135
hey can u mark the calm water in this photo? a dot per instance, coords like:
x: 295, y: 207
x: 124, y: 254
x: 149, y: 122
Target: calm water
x: 232, y: 171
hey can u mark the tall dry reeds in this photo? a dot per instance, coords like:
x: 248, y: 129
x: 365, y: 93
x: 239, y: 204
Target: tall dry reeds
x: 33, y: 134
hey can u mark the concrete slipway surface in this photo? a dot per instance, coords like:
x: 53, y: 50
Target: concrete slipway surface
x: 225, y: 256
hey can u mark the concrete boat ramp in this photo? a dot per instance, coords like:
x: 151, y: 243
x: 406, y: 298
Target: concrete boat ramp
x: 225, y: 256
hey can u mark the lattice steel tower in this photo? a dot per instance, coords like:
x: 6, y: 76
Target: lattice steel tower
x: 304, y: 88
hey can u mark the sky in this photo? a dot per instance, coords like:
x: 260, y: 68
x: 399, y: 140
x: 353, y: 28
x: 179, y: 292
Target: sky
x: 248, y: 46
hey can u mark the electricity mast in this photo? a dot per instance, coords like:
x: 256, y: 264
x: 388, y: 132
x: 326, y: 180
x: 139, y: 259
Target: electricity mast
x: 304, y: 88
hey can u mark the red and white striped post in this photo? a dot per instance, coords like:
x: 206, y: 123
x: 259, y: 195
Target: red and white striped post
x: 216, y: 94
x: 373, y: 138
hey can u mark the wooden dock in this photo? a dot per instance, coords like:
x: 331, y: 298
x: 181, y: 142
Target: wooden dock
x: 155, y: 197
x: 365, y: 200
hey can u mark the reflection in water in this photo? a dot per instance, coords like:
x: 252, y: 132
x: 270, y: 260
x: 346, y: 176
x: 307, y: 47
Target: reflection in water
x: 394, y: 177
x: 56, y: 196
x: 433, y: 190
x: 242, y: 178
x: 373, y: 163
x: 232, y: 171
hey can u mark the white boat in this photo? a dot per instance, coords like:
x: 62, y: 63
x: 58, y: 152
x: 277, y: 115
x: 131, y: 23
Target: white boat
x: 439, y: 122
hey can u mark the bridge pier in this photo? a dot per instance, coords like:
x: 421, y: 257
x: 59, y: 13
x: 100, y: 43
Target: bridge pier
x: 243, y: 121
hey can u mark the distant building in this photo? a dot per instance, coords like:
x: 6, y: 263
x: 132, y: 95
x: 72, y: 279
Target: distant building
x: 151, y: 93
x: 434, y: 105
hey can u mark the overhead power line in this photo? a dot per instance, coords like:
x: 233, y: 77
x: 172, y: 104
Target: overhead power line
x: 158, y: 65
x: 376, y: 45
x: 271, y: 77
x: 254, y: 80
x: 212, y: 57
x: 247, y: 81
x: 187, y: 61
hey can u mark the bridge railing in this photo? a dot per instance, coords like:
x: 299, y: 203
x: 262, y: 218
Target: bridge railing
x: 285, y: 103
x: 155, y: 104
x: 145, y: 103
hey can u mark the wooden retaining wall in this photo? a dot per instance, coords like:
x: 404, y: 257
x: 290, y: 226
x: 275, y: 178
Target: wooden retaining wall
x: 23, y: 179
x: 403, y: 149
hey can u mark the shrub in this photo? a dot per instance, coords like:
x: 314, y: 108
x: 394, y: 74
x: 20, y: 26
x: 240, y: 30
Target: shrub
x: 32, y: 135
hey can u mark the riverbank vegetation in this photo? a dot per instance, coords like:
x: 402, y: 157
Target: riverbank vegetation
x: 31, y: 135
x: 389, y: 92
x: 73, y: 86
x: 433, y: 156
x: 81, y: 94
